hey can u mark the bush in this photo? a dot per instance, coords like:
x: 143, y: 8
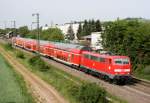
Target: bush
x: 37, y: 62
x: 147, y: 70
x: 89, y: 93
x: 20, y: 55
x: 8, y: 46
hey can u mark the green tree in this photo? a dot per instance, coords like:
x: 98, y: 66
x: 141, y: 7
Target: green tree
x: 129, y: 37
x: 89, y: 27
x: 53, y: 34
x: 23, y: 31
x: 79, y: 31
x: 70, y: 34
x: 98, y: 26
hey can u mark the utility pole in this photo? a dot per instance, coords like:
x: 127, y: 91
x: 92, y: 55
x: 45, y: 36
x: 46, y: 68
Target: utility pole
x: 38, y: 32
x: 5, y: 26
x: 14, y: 27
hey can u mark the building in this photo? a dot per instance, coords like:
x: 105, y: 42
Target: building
x: 64, y: 28
x: 94, y: 39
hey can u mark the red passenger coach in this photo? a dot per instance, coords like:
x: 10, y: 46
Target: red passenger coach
x: 68, y: 53
x: 19, y: 41
x: 46, y: 48
x: 30, y: 45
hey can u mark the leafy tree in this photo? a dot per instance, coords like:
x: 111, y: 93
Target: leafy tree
x: 23, y: 31
x: 32, y: 34
x: 129, y: 37
x: 70, y: 33
x: 53, y: 34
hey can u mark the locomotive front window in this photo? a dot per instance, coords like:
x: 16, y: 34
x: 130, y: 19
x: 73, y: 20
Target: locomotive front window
x: 121, y: 61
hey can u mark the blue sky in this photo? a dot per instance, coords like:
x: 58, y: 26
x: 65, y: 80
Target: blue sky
x: 62, y: 11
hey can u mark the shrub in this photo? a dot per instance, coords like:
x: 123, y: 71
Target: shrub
x: 37, y: 62
x: 88, y: 93
x: 147, y: 70
x: 20, y: 55
x: 8, y: 46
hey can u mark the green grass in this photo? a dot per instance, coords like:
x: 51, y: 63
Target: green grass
x: 12, y: 85
x: 143, y: 73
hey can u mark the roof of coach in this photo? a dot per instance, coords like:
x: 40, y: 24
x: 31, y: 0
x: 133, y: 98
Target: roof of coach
x: 67, y: 46
x: 28, y: 39
x: 59, y: 45
x: 104, y: 55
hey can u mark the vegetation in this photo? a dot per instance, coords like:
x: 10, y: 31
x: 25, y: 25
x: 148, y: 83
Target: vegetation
x: 8, y: 46
x: 129, y: 37
x: 20, y: 54
x: 53, y: 34
x: 23, y: 31
x: 89, y: 93
x: 143, y: 73
x: 38, y: 63
x: 88, y: 27
x: 12, y: 86
x: 70, y: 33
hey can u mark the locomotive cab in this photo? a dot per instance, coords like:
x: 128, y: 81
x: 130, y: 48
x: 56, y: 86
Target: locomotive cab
x: 121, y: 67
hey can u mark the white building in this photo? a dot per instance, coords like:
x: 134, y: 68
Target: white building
x: 96, y: 40
x: 64, y: 28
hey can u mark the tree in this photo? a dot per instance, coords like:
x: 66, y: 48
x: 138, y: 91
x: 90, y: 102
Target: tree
x: 70, y: 34
x: 53, y: 34
x: 23, y: 31
x: 79, y: 31
x: 129, y: 37
x: 98, y: 26
x: 89, y: 27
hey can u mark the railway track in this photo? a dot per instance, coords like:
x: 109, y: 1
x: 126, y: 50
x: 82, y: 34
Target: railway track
x: 136, y: 92
x: 140, y: 85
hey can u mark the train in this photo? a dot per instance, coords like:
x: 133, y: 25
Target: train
x: 109, y: 67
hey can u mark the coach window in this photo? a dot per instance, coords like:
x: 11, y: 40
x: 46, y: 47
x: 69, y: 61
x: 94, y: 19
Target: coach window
x: 87, y: 56
x: 72, y: 56
x: 102, y: 59
x: 94, y: 58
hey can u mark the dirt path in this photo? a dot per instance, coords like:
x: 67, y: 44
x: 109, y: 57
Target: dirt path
x: 43, y: 92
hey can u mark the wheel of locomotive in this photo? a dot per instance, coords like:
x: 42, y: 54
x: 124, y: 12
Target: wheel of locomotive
x: 86, y: 71
x: 115, y: 81
x: 110, y: 80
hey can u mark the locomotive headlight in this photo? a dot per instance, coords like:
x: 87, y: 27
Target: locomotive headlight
x: 109, y: 67
x: 127, y: 70
x: 117, y: 70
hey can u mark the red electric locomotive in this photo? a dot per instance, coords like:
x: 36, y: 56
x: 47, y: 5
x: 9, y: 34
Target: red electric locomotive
x: 109, y: 66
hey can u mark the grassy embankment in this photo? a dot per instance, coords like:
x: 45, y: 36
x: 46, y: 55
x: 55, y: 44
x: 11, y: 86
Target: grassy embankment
x: 72, y: 88
x: 143, y: 73
x: 12, y: 85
